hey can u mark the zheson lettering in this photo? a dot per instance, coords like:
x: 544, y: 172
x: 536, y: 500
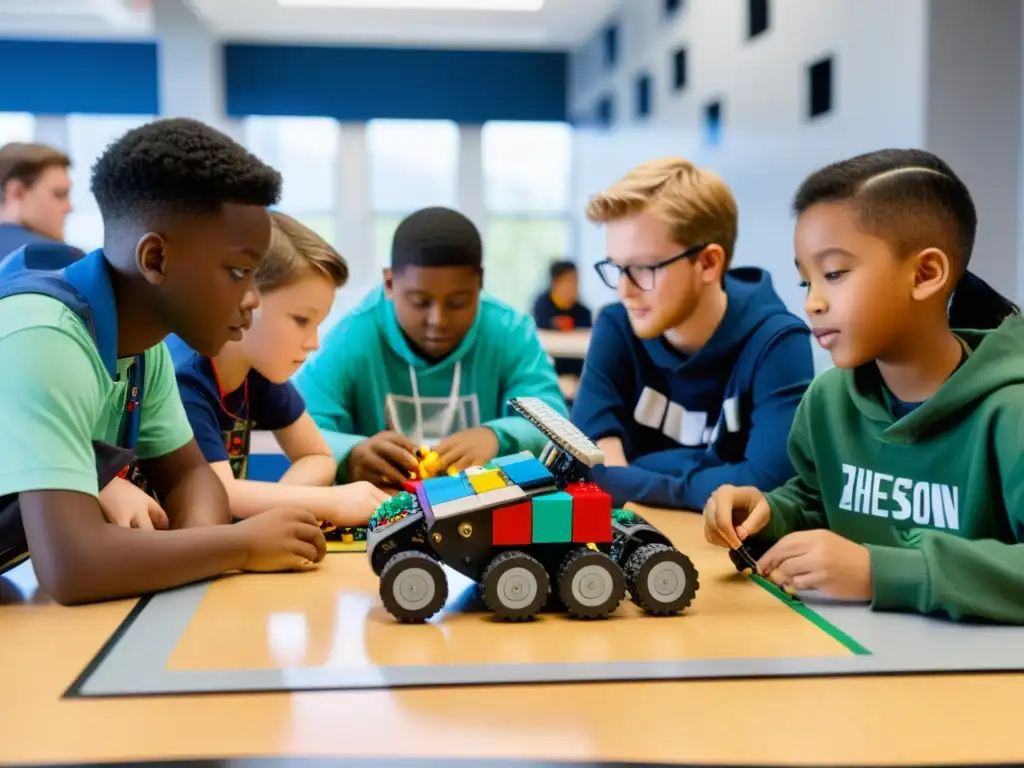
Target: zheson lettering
x: 870, y: 492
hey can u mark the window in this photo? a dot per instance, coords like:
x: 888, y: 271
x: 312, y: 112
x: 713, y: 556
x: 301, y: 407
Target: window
x: 610, y: 46
x: 713, y: 122
x: 820, y: 87
x: 305, y: 151
x: 16, y: 126
x: 413, y: 164
x: 643, y: 95
x: 88, y: 137
x: 606, y: 112
x: 679, y: 69
x: 757, y: 17
x: 526, y: 166
x: 527, y: 171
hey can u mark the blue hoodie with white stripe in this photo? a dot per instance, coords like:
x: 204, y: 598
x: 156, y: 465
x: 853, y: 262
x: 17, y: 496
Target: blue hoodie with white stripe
x: 692, y: 423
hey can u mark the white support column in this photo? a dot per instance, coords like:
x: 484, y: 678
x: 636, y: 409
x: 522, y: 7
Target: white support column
x: 471, y: 176
x: 190, y: 67
x: 353, y: 219
x: 52, y: 130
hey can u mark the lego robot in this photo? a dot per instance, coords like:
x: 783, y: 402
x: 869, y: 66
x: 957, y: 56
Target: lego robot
x: 526, y: 530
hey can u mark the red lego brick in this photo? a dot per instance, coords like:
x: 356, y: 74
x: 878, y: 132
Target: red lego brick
x: 512, y: 525
x: 411, y: 485
x: 591, y: 513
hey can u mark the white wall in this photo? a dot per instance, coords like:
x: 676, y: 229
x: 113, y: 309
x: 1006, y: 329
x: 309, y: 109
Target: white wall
x: 768, y: 145
x: 974, y: 121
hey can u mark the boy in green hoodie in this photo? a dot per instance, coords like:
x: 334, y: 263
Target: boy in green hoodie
x: 910, y: 453
x: 425, y: 360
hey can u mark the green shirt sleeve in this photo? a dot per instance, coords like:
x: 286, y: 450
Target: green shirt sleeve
x: 964, y: 578
x: 164, y: 426
x: 797, y: 504
x: 52, y: 393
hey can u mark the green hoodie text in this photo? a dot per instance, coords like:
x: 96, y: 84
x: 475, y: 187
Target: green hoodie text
x: 937, y: 496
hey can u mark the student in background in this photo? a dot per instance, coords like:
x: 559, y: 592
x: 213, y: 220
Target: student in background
x: 693, y: 380
x: 427, y: 360
x: 35, y: 196
x: 559, y: 309
x: 909, y: 453
x: 246, y: 386
x: 185, y: 225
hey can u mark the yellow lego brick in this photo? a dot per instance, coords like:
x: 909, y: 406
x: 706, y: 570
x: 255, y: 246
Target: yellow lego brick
x: 486, y: 481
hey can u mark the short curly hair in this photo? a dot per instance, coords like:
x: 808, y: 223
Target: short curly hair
x: 179, y: 165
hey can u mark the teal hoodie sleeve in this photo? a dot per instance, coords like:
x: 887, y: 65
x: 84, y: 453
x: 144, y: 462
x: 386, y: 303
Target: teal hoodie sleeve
x: 526, y: 371
x: 327, y: 382
x: 964, y: 578
x: 797, y: 504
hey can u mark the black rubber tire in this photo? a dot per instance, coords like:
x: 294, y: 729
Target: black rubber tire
x: 413, y: 586
x: 590, y: 584
x: 515, y: 586
x: 661, y: 580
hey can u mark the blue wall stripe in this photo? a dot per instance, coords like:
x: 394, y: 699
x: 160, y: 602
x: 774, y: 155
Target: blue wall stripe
x: 57, y: 77
x: 359, y: 84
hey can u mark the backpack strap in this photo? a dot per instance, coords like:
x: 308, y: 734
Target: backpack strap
x: 54, y: 270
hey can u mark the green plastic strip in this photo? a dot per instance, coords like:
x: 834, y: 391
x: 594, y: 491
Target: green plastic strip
x: 814, y: 617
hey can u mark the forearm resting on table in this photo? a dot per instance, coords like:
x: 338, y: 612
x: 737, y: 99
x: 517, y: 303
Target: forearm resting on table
x: 79, y: 558
x: 252, y: 497
x: 614, y: 455
x: 313, y: 470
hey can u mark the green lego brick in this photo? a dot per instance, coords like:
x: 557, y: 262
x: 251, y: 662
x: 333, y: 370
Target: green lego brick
x: 552, y: 518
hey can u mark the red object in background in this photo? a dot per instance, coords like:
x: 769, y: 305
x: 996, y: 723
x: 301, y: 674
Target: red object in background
x: 591, y: 513
x: 513, y: 525
x: 564, y: 322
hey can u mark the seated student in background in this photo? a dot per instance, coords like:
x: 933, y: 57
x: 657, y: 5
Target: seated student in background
x: 427, y: 360
x: 246, y: 386
x: 559, y: 309
x: 185, y: 224
x: 692, y: 381
x: 910, y: 452
x: 35, y: 198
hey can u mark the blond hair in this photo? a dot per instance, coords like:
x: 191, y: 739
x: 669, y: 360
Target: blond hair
x: 695, y: 203
x: 295, y: 252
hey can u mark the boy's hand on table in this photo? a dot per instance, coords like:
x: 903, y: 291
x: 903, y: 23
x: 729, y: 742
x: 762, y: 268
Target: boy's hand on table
x: 125, y: 504
x: 354, y: 503
x: 821, y: 560
x: 732, y: 514
x: 384, y: 459
x: 471, y: 447
x: 281, y: 540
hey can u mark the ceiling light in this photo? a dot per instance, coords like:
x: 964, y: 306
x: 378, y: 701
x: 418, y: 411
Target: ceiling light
x: 420, y: 5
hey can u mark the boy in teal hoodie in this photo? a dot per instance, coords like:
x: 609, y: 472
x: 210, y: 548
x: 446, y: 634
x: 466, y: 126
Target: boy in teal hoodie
x: 910, y: 453
x: 426, y: 360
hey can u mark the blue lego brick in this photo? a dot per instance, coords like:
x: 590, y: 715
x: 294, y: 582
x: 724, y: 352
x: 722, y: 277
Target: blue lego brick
x: 447, y: 488
x: 511, y: 458
x: 528, y: 473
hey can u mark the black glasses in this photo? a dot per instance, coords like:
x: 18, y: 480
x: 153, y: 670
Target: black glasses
x: 641, y: 275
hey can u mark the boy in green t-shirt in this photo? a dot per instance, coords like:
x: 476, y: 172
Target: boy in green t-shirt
x: 186, y: 223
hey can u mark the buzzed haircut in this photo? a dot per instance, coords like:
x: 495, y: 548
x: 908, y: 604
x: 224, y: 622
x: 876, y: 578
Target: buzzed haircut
x: 908, y: 197
x: 26, y: 162
x: 436, y: 237
x: 179, y: 165
x: 912, y: 200
x: 295, y: 252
